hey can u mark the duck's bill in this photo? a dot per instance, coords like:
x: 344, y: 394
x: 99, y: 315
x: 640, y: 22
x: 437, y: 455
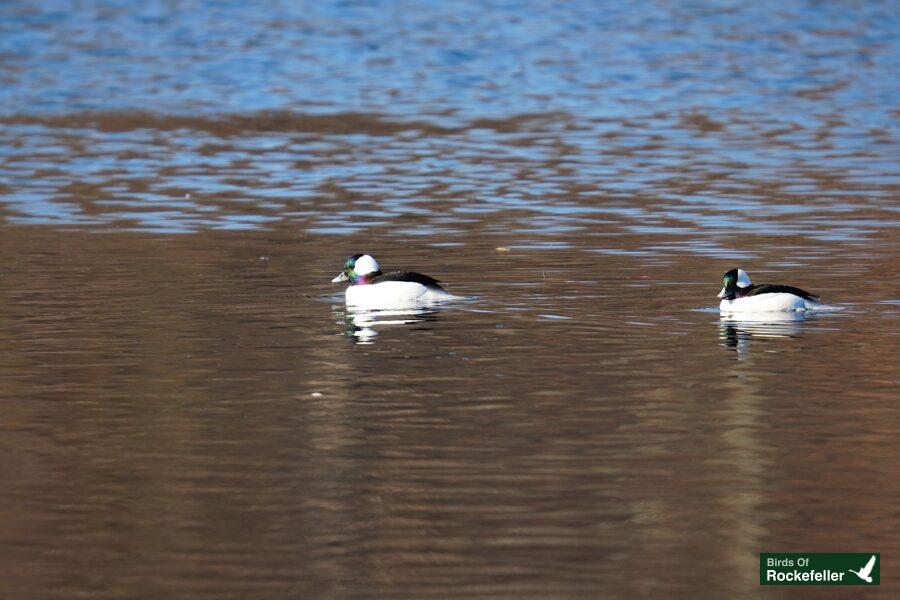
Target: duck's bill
x: 341, y: 277
x: 721, y: 294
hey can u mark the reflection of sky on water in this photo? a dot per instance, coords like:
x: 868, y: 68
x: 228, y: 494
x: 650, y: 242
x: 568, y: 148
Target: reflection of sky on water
x: 681, y: 128
x: 471, y: 58
x: 327, y: 184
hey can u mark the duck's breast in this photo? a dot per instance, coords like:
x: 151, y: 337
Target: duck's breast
x: 393, y: 294
x: 778, y: 302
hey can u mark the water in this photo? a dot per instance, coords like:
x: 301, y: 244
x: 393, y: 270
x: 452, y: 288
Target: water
x: 190, y: 410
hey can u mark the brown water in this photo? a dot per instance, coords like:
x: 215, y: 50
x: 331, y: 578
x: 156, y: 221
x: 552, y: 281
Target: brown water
x: 189, y: 410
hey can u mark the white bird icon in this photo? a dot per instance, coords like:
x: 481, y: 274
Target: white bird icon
x: 864, y: 572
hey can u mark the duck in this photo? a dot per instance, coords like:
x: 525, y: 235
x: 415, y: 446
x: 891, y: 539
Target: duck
x: 371, y: 288
x: 740, y: 295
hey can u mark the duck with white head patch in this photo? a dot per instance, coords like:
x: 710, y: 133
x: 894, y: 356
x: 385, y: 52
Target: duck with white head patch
x: 740, y: 295
x: 371, y: 288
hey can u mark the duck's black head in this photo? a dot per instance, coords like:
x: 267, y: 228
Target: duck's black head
x: 357, y: 268
x: 733, y: 282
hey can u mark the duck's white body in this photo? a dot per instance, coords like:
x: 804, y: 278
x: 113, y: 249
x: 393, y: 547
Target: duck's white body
x: 740, y: 296
x: 402, y: 289
x: 394, y: 294
x: 780, y: 302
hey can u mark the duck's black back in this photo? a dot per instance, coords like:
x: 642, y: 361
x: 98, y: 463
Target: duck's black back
x: 425, y: 280
x: 767, y: 288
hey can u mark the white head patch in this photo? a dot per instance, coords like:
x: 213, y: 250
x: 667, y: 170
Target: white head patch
x: 743, y: 280
x: 365, y: 264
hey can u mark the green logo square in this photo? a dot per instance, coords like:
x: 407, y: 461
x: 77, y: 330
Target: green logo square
x: 820, y: 568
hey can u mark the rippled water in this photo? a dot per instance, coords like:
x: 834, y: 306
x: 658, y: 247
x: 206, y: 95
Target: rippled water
x: 191, y: 411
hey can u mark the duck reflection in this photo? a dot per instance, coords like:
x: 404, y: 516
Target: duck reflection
x: 736, y: 333
x: 363, y: 324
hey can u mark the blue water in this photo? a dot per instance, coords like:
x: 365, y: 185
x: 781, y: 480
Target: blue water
x: 801, y: 61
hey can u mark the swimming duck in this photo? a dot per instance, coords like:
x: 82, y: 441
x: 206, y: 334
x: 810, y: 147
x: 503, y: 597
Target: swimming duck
x: 740, y: 295
x: 371, y: 288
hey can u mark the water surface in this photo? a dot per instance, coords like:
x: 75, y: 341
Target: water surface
x: 190, y: 410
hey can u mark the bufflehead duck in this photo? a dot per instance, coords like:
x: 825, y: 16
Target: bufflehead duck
x: 370, y: 287
x: 740, y: 295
